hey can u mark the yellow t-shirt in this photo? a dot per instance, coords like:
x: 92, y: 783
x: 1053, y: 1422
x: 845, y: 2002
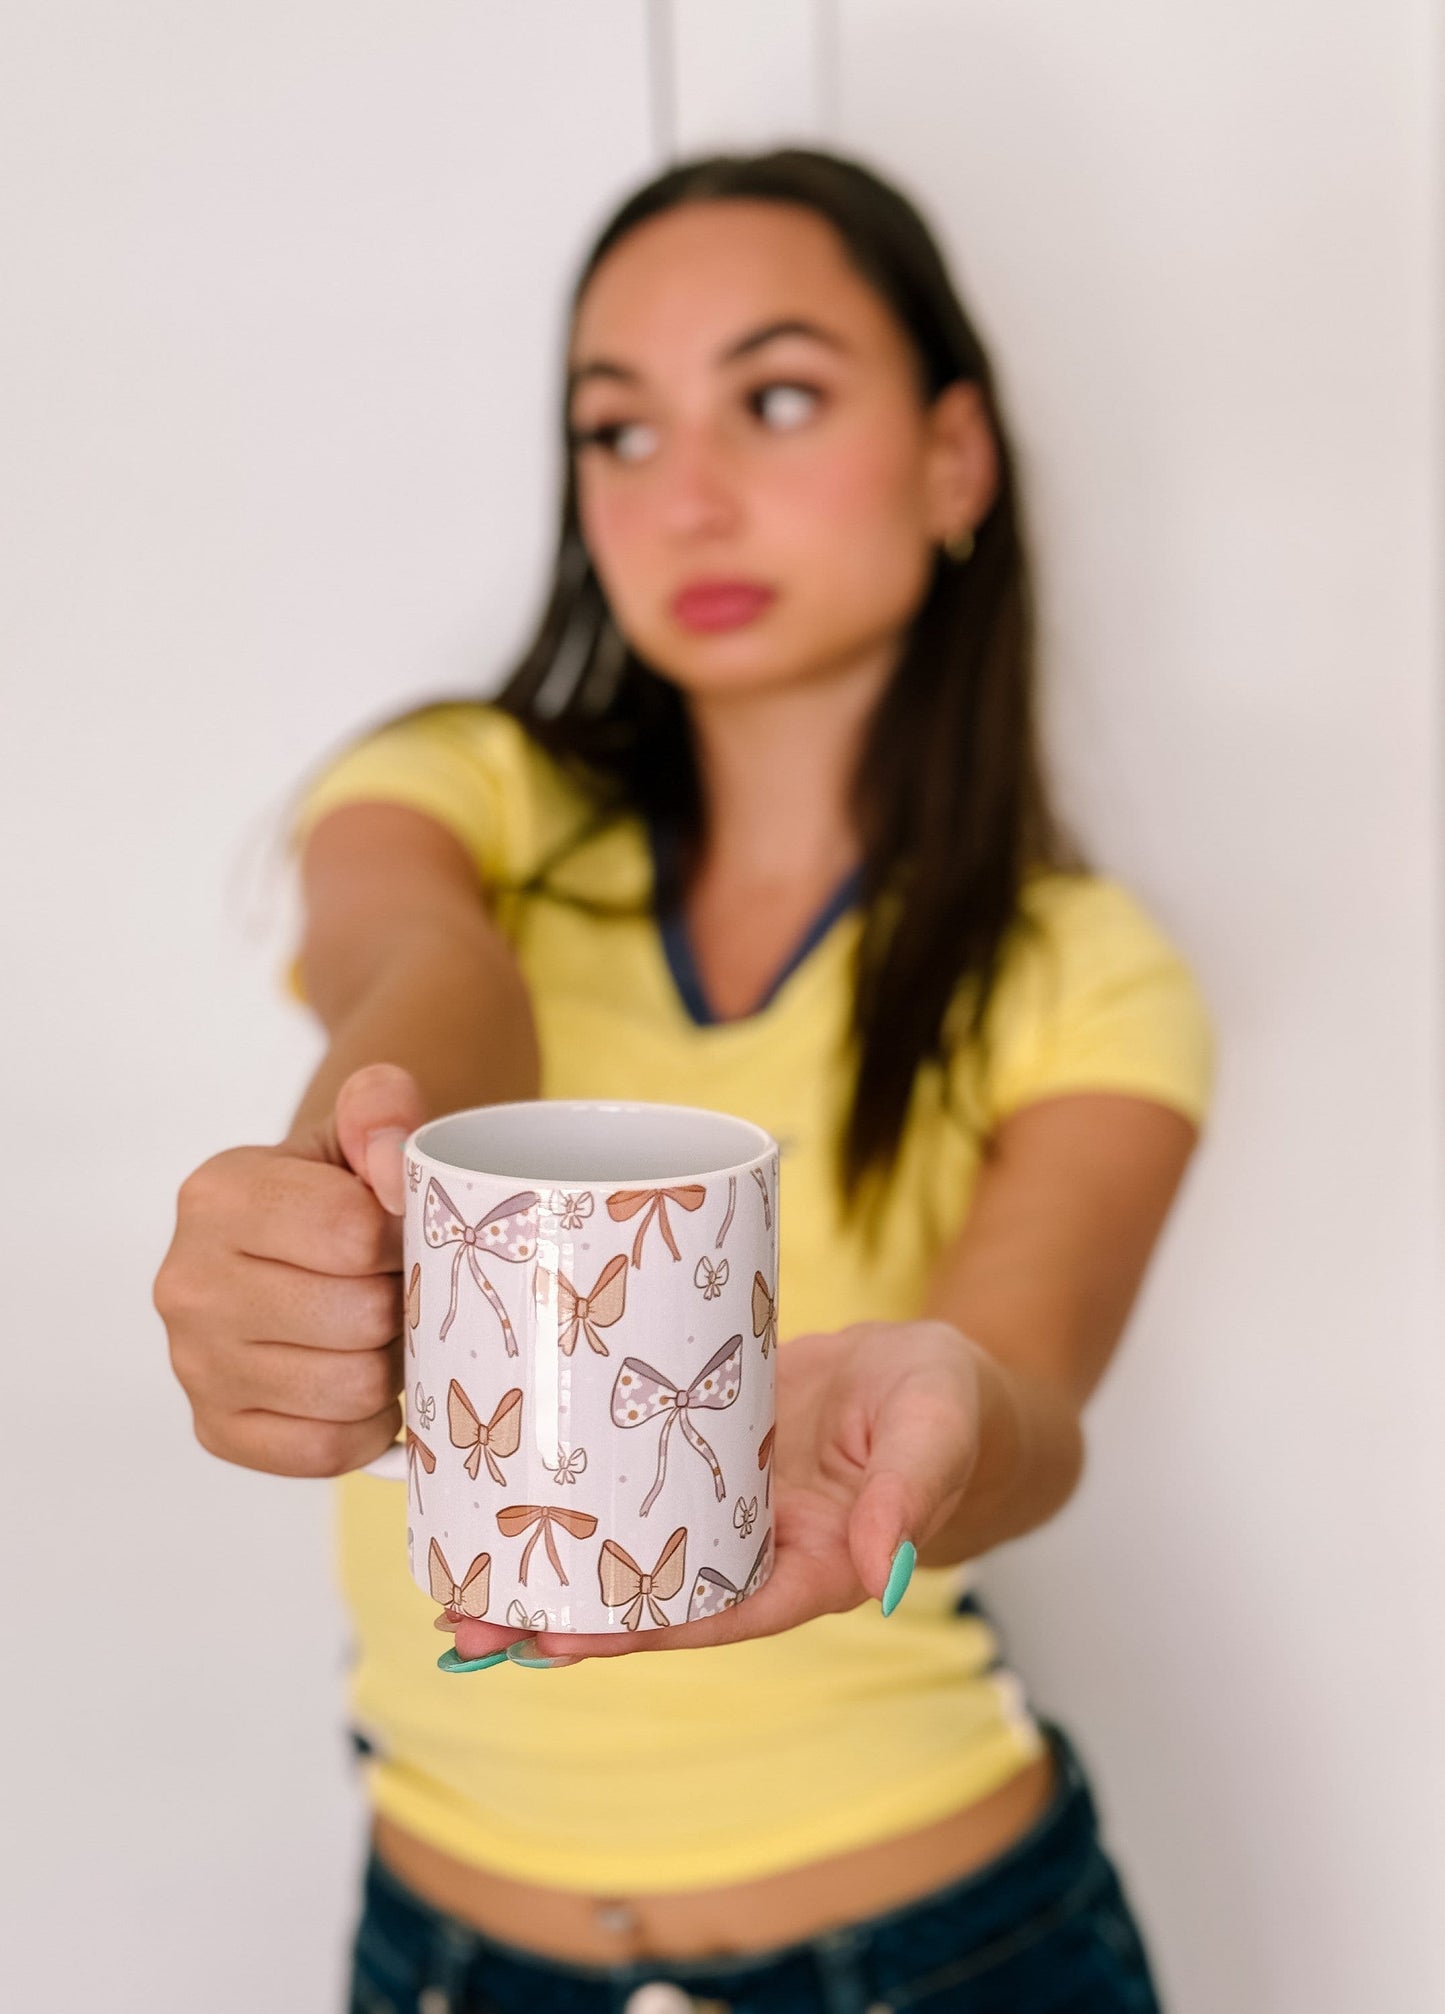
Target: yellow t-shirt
x: 685, y: 1769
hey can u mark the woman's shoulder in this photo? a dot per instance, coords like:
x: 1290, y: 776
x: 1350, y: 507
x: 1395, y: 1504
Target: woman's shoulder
x: 1095, y: 990
x: 467, y: 762
x: 1088, y: 912
x: 477, y: 739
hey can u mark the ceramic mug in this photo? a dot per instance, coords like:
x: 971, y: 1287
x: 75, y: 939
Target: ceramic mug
x: 591, y: 1332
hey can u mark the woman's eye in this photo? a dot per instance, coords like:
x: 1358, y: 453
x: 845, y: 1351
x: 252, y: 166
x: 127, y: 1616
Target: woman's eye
x: 795, y: 401
x: 790, y: 395
x: 608, y: 438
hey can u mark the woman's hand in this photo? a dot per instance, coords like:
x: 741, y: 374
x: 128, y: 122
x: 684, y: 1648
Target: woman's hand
x: 281, y: 1290
x: 877, y: 1432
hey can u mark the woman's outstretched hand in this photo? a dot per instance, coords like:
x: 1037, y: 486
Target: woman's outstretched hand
x: 281, y: 1290
x: 877, y: 1432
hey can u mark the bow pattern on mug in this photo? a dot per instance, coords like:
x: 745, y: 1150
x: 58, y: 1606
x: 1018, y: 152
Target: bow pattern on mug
x: 500, y: 1435
x: 584, y: 1314
x: 627, y: 1202
x: 569, y: 1464
x: 623, y: 1580
x: 765, y: 1458
x: 467, y: 1597
x: 413, y: 1306
x: 515, y: 1518
x: 728, y: 1213
x: 712, y: 1592
x: 509, y: 1231
x: 640, y: 1393
x: 711, y: 1278
x: 765, y: 1313
x: 570, y: 1207
x: 417, y: 1451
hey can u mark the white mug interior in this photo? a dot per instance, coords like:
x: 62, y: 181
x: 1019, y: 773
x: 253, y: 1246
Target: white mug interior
x: 552, y: 1141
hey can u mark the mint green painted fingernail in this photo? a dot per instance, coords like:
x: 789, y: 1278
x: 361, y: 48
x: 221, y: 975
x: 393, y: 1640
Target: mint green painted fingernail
x: 449, y: 1661
x: 534, y: 1663
x: 899, y: 1575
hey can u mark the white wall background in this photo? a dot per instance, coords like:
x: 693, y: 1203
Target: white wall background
x: 277, y: 375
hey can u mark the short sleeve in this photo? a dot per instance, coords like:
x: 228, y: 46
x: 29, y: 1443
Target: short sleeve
x: 468, y: 764
x: 1096, y: 997
x: 464, y: 764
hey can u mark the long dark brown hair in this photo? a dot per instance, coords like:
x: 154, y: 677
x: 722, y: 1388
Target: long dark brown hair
x: 949, y: 797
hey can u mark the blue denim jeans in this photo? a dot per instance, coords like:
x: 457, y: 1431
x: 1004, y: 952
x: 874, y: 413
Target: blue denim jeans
x: 1045, y: 1928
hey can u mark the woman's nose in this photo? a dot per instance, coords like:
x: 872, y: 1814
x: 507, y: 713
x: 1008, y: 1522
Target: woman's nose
x: 700, y: 487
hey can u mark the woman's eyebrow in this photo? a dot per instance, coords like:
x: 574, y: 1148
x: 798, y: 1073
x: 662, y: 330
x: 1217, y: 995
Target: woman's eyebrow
x: 793, y: 325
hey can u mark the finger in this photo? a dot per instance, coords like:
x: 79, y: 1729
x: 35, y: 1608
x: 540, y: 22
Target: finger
x: 302, y: 1212
x: 341, y: 1385
x: 479, y: 1639
x: 321, y: 1311
x: 269, y: 1301
x: 790, y: 1595
x: 879, y: 1522
x: 377, y: 1107
x: 283, y: 1446
x: 917, y: 1466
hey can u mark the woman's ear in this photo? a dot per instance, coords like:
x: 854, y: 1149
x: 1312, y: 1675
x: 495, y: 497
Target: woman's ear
x: 963, y: 470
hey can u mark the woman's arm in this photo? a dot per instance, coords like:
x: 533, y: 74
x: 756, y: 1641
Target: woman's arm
x: 1041, y: 1280
x: 281, y: 1290
x: 403, y: 963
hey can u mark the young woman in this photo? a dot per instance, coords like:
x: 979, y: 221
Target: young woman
x: 757, y: 823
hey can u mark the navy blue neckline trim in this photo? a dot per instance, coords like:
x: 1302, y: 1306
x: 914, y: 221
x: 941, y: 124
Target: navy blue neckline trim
x: 672, y: 928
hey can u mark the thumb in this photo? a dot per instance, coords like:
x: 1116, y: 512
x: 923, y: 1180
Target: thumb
x: 917, y: 1469
x: 882, y: 1518
x: 377, y: 1107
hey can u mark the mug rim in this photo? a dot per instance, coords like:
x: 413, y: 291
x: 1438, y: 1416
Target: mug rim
x: 415, y: 1141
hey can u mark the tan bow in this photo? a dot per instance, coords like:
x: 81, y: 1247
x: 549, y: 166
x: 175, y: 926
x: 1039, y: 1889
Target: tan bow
x: 516, y: 1517
x: 413, y: 1306
x: 500, y: 1435
x: 623, y: 1580
x: 584, y: 1314
x: 627, y: 1202
x: 765, y: 1313
x: 468, y: 1597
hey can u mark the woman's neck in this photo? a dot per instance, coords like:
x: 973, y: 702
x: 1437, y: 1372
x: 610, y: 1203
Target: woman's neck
x: 776, y: 768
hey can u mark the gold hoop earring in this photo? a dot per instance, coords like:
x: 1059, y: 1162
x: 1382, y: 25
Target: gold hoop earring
x: 960, y: 546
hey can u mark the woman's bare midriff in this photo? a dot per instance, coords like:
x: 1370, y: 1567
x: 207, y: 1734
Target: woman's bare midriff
x: 744, y: 1916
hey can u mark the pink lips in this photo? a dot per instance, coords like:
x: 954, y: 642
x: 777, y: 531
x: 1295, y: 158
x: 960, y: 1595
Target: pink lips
x: 719, y: 604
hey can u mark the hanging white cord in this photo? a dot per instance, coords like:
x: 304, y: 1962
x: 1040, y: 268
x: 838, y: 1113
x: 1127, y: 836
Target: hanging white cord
x: 827, y: 67
x: 661, y: 84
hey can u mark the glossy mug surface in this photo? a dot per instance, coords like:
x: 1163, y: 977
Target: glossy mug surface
x: 591, y: 1332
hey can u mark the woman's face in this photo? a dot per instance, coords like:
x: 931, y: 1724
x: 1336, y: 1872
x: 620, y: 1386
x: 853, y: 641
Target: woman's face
x: 803, y: 462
